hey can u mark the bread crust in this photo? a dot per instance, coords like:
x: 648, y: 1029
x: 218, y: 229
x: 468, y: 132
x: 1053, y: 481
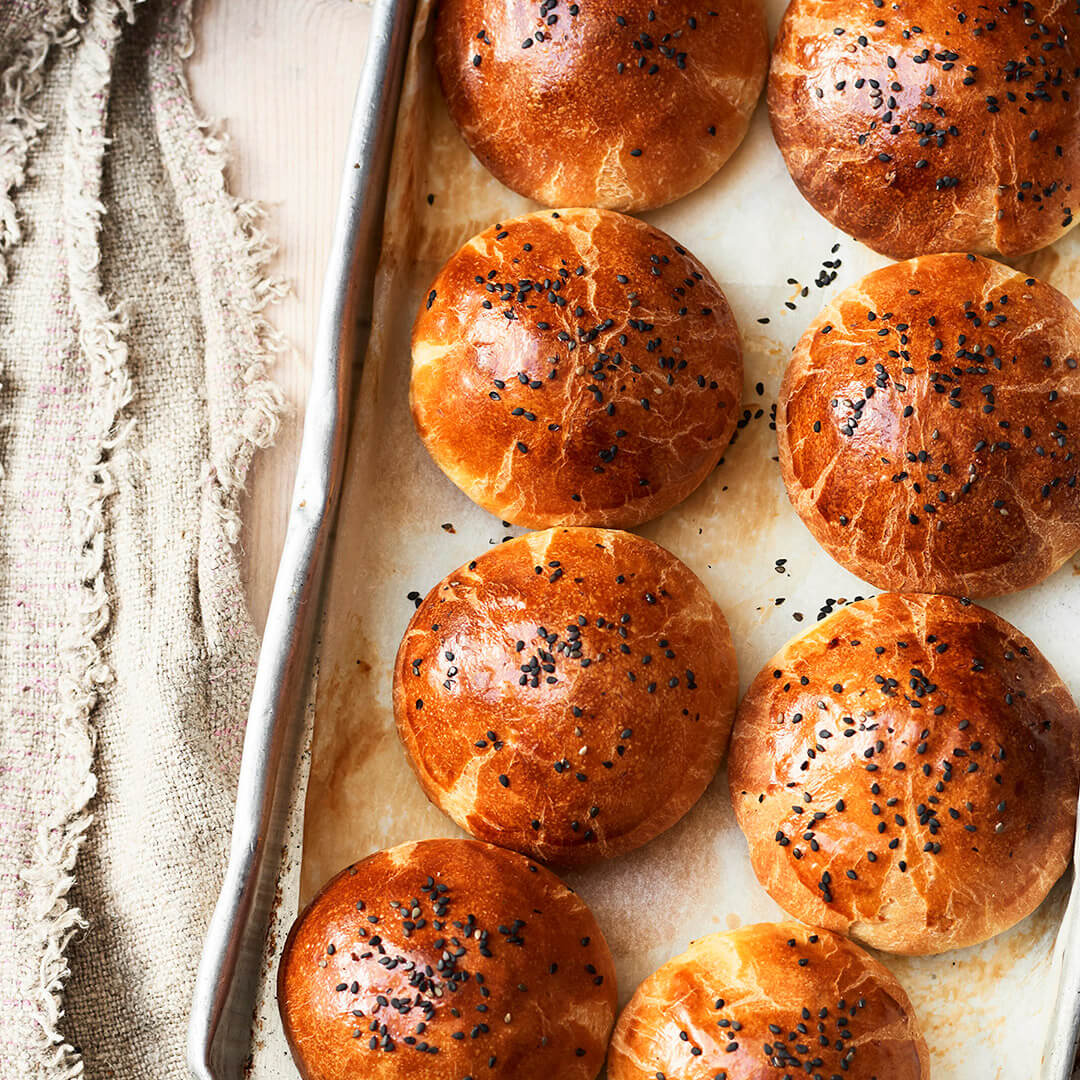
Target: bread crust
x: 626, y: 106
x: 920, y: 127
x: 575, y: 367
x: 462, y: 955
x: 927, y: 425
x: 790, y: 998
x: 586, y: 742
x: 920, y: 798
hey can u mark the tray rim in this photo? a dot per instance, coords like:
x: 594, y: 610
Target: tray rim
x: 218, y: 1036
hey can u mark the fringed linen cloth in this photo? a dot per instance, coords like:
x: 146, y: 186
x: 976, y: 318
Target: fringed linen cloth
x: 133, y: 355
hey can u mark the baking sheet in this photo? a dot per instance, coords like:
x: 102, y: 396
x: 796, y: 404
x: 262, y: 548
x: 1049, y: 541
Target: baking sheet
x: 402, y: 526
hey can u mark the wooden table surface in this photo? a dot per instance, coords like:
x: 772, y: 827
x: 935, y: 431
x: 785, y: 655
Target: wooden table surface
x: 281, y: 76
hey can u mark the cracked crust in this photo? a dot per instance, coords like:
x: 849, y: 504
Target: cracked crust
x: 906, y: 773
x: 790, y: 998
x: 925, y: 427
x: 969, y: 141
x: 626, y: 106
x: 575, y: 367
x: 590, y: 741
x: 527, y: 980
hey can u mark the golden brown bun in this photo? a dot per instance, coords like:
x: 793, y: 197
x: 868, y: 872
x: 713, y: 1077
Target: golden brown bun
x: 906, y: 773
x: 569, y: 694
x: 575, y: 367
x: 444, y: 959
x: 928, y: 423
x: 793, y: 1001
x: 627, y: 106
x: 918, y: 126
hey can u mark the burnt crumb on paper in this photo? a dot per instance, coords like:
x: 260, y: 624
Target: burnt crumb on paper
x: 776, y: 601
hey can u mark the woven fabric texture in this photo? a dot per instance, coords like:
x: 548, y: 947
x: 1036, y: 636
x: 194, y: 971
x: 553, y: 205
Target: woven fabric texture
x: 133, y: 355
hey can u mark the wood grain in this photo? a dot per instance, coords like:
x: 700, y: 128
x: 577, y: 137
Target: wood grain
x: 281, y: 75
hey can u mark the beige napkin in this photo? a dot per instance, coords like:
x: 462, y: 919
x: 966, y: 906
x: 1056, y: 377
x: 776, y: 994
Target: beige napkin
x: 132, y: 358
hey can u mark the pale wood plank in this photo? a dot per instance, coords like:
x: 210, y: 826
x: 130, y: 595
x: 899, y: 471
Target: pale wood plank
x: 282, y: 75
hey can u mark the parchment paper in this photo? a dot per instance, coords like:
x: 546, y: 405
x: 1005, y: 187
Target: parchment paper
x: 403, y: 526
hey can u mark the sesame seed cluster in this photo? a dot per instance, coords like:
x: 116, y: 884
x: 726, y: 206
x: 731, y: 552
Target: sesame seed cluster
x: 430, y: 953
x: 927, y: 426
x: 921, y: 755
x: 568, y: 694
x: 575, y: 367
x: 918, y: 126
x: 772, y: 999
x: 626, y: 106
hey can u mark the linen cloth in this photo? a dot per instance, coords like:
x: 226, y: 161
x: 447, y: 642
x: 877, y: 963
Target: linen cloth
x: 134, y: 392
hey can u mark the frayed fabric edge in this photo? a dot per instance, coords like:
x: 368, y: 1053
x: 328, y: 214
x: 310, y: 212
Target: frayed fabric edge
x: 19, y: 131
x: 83, y: 669
x: 51, y: 876
x: 263, y: 402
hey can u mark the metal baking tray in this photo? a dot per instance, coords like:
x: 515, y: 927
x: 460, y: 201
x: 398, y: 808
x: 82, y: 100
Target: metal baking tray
x: 220, y: 1030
